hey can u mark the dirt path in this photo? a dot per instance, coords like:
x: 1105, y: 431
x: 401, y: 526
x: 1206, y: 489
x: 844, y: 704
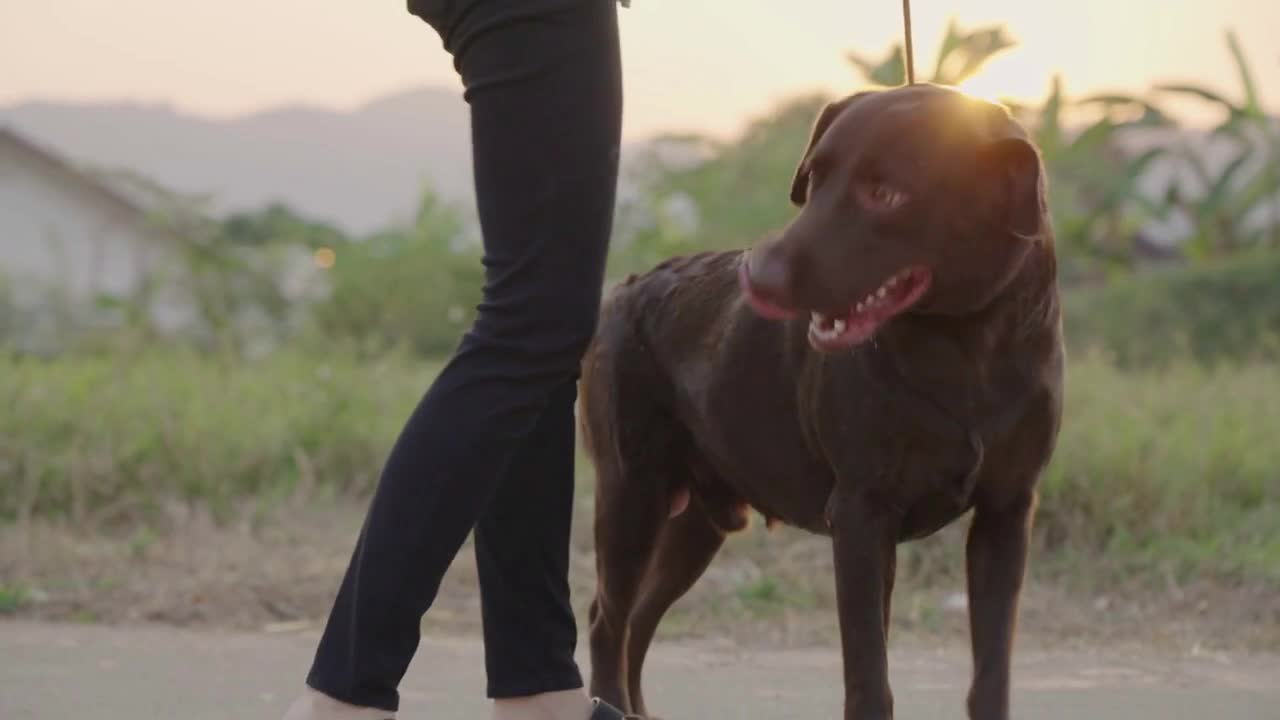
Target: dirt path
x: 69, y: 672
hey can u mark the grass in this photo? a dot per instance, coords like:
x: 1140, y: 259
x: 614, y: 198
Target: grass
x: 102, y: 439
x: 12, y: 598
x: 1166, y: 472
x: 1216, y: 313
x: 1177, y: 468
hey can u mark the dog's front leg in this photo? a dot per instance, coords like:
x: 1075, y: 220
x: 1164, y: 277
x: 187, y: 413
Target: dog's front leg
x: 865, y: 538
x: 996, y: 554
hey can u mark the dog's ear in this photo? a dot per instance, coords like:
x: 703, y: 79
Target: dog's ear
x: 800, y: 182
x: 1015, y: 173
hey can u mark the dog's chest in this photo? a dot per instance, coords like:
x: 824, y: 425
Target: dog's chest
x: 746, y: 419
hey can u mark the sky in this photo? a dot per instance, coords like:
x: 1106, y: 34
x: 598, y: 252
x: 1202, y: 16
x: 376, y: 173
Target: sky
x: 690, y: 65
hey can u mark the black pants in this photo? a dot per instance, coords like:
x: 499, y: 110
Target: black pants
x: 491, y: 444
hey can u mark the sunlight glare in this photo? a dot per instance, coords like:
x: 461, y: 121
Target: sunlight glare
x: 1006, y: 78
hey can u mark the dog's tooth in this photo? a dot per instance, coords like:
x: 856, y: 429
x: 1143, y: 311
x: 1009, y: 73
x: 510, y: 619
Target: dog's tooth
x: 859, y: 308
x: 892, y: 281
x: 882, y: 292
x: 839, y: 327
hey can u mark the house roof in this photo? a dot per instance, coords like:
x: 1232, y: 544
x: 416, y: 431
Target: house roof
x: 62, y: 169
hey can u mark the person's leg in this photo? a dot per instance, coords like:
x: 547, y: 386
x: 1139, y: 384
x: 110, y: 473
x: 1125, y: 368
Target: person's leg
x: 543, y: 81
x: 522, y: 554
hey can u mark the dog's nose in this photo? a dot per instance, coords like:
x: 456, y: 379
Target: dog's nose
x: 770, y: 277
x: 767, y: 281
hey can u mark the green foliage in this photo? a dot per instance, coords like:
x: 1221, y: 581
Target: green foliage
x: 1097, y: 200
x: 100, y: 439
x: 9, y: 314
x: 1094, y: 194
x: 234, y: 290
x: 740, y: 192
x: 12, y: 598
x: 1223, y: 313
x: 1177, y: 466
x: 961, y: 55
x: 1166, y: 457
x: 1171, y: 470
x: 415, y: 287
x: 1225, y: 204
x: 277, y: 224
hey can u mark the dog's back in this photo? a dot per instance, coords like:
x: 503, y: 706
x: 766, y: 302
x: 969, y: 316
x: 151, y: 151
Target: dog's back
x: 651, y: 324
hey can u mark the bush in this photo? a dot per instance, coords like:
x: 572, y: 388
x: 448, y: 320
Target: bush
x: 1177, y: 468
x: 102, y: 438
x: 1225, y: 312
x: 415, y: 288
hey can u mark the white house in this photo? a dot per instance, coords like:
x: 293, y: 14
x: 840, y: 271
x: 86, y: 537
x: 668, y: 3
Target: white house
x: 67, y: 234
x: 69, y: 238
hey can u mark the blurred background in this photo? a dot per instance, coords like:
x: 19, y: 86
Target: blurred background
x: 237, y: 239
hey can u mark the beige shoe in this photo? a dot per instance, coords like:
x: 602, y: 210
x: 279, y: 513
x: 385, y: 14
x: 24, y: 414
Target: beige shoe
x: 315, y: 705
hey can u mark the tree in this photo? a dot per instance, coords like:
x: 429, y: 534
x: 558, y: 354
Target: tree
x: 1237, y: 205
x: 279, y: 224
x: 415, y: 287
x: 961, y: 55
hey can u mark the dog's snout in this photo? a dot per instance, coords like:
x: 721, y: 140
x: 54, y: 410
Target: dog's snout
x: 770, y: 276
x: 768, y: 280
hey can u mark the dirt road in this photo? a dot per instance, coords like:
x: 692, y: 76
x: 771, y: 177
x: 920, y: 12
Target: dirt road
x: 69, y: 672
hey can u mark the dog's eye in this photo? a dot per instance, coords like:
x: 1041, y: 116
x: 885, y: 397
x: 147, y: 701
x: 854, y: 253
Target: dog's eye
x: 880, y: 196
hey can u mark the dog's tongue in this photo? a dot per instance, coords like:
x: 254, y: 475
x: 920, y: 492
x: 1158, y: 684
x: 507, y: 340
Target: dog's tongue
x: 860, y: 322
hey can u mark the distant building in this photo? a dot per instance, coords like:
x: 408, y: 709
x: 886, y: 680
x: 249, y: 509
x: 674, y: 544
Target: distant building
x: 76, y: 242
x: 65, y: 233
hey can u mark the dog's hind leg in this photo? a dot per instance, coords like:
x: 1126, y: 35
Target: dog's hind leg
x: 686, y: 546
x: 630, y: 510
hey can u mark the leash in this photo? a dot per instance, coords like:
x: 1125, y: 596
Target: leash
x: 910, y: 53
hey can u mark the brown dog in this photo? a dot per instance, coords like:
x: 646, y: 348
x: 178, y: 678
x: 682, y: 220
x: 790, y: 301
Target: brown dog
x: 892, y: 360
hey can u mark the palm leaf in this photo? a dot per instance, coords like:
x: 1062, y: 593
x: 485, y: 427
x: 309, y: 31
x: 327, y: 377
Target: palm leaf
x: 1193, y: 159
x: 1051, y: 117
x: 889, y: 72
x: 1122, y: 186
x: 1264, y: 187
x: 1205, y: 94
x: 1151, y: 114
x: 950, y: 41
x: 1094, y: 137
x: 1219, y: 193
x: 1232, y: 128
x: 1252, y: 103
x: 968, y: 52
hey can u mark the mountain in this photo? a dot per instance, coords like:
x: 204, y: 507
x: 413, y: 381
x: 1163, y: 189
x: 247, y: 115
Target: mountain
x: 360, y: 169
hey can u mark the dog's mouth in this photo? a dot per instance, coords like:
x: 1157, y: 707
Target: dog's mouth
x: 843, y: 329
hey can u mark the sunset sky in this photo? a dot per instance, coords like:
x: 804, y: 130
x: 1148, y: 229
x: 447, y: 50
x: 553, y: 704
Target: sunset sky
x: 690, y: 64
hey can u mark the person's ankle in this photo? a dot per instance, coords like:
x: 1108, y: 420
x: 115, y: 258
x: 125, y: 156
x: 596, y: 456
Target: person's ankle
x: 315, y: 705
x: 558, y: 705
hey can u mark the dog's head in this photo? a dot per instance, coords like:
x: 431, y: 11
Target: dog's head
x: 918, y: 199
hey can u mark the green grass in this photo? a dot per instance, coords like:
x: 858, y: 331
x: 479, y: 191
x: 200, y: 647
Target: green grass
x: 101, y: 438
x: 1171, y: 470
x: 12, y: 598
x: 1177, y: 468
x: 1223, y: 312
